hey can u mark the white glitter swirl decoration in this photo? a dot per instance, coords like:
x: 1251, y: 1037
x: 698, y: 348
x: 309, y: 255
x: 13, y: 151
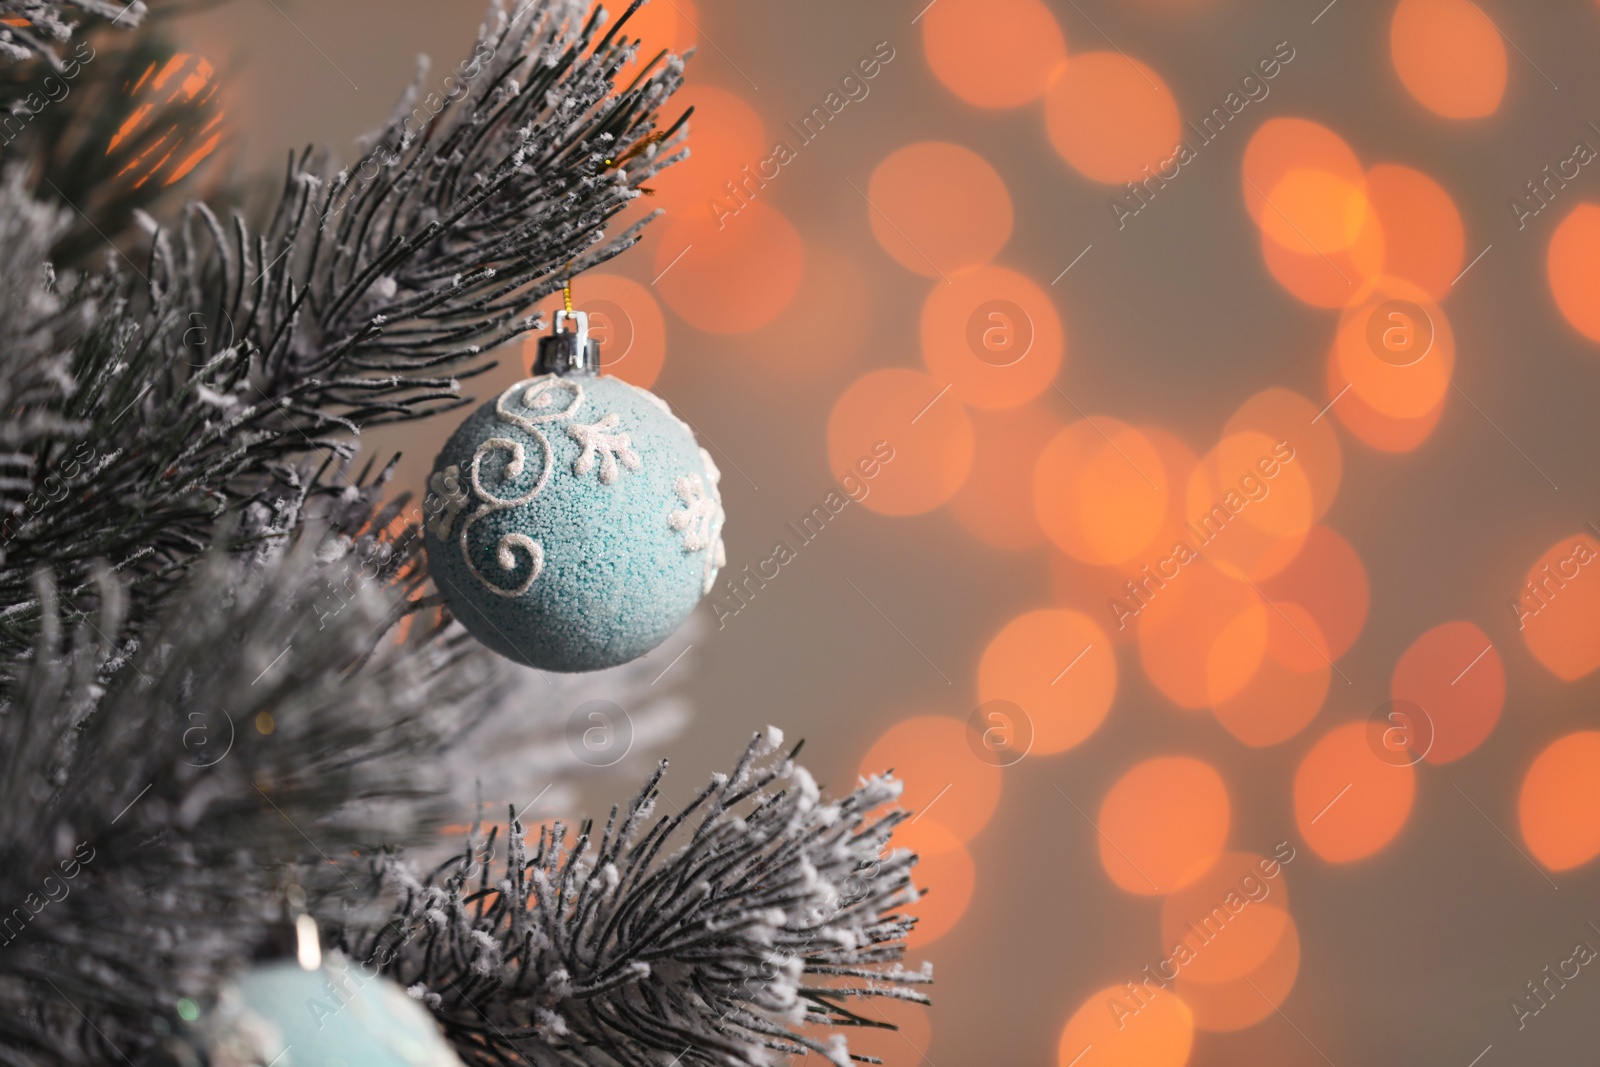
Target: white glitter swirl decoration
x: 537, y: 406
x: 492, y: 502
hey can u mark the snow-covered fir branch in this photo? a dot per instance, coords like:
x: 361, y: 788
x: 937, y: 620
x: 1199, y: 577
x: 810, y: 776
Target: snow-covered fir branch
x: 367, y: 286
x: 725, y: 932
x: 37, y: 28
x: 220, y: 670
x: 145, y: 403
x: 157, y: 791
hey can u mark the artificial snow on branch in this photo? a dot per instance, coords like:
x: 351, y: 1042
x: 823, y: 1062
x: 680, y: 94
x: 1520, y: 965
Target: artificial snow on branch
x: 30, y: 28
x: 473, y: 203
x: 188, y: 390
x: 221, y: 673
x: 722, y: 933
x: 156, y: 792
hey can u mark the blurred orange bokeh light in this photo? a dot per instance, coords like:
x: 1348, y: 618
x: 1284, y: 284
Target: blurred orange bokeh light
x: 1163, y: 824
x: 993, y: 53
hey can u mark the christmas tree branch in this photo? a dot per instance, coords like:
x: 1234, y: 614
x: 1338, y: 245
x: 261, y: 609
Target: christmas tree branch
x: 253, y: 734
x: 35, y: 28
x: 770, y: 909
x: 142, y: 411
x: 176, y: 495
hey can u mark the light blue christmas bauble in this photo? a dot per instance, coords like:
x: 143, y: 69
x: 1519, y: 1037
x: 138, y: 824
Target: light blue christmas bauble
x: 573, y: 522
x: 334, y: 1016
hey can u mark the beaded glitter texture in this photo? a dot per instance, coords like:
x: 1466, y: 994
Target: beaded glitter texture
x: 573, y: 522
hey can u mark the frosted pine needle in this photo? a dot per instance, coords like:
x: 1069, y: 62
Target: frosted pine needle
x: 721, y: 933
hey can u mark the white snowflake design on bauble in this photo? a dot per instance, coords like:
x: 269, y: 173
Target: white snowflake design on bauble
x: 600, y: 440
x: 701, y: 517
x: 697, y: 514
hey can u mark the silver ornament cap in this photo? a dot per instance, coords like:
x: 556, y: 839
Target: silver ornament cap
x: 568, y: 351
